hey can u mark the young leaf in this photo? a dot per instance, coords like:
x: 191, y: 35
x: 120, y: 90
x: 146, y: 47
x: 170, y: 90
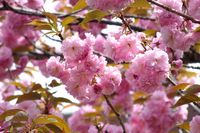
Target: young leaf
x: 29, y: 96
x: 55, y: 120
x: 185, y: 126
x: 68, y: 20
x: 94, y: 15
x: 20, y: 116
x: 8, y: 113
x: 144, y: 4
x: 188, y: 98
x: 52, y: 17
x: 193, y: 89
x: 80, y: 5
x: 181, y: 86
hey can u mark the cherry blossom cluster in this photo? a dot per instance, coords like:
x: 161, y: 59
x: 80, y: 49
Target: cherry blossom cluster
x: 124, y: 80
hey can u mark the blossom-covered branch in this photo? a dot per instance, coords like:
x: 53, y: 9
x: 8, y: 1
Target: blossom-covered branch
x: 31, y: 12
x: 187, y: 17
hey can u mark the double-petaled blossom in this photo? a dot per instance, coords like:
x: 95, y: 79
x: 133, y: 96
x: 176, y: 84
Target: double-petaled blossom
x: 108, y: 5
x: 148, y: 70
x: 195, y: 124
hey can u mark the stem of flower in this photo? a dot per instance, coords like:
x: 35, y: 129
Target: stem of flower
x: 116, y: 113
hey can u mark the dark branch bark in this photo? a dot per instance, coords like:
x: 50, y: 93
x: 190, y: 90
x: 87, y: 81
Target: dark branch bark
x: 116, y: 113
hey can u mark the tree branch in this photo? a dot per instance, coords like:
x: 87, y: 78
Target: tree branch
x: 31, y: 12
x: 116, y: 113
x: 174, y: 11
x: 139, y: 17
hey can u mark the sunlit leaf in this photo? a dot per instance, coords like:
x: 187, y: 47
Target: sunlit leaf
x: 193, y: 89
x: 138, y: 7
x: 94, y: 15
x: 140, y: 97
x: 143, y: 4
x: 185, y: 126
x: 68, y: 20
x: 29, y: 96
x: 44, y: 27
x: 10, y: 112
x: 197, y: 29
x: 52, y: 17
x: 54, y: 128
x: 181, y: 86
x: 188, y: 98
x: 20, y: 116
x: 150, y: 32
x: 196, y: 47
x: 20, y: 86
x: 37, y: 22
x: 55, y: 120
x: 80, y: 5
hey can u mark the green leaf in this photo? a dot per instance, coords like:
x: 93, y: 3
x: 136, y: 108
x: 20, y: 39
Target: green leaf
x: 80, y: 5
x: 29, y: 96
x: 44, y: 27
x: 143, y: 4
x: 8, y: 113
x: 68, y: 20
x: 193, y: 89
x: 20, y: 116
x: 22, y: 87
x: 196, y: 47
x: 181, y: 86
x: 150, y: 32
x: 54, y: 128
x: 139, y: 7
x: 188, y: 98
x: 197, y: 29
x: 55, y: 120
x: 54, y: 83
x: 94, y: 15
x: 185, y: 126
x: 52, y: 17
x: 10, y: 98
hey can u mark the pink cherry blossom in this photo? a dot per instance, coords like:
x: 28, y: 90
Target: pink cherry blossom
x: 110, y: 80
x: 123, y: 49
x: 194, y: 8
x: 153, y: 63
x: 108, y: 4
x: 17, y: 33
x: 167, y: 18
x: 57, y: 69
x: 34, y: 4
x: 158, y: 114
x: 194, y: 124
x: 28, y: 106
x: 77, y: 122
x: 75, y: 49
x: 6, y: 59
x: 171, y: 37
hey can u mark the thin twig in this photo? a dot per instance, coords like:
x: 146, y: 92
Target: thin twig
x: 116, y: 113
x: 192, y: 67
x: 187, y: 17
x: 121, y: 16
x: 139, y: 17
